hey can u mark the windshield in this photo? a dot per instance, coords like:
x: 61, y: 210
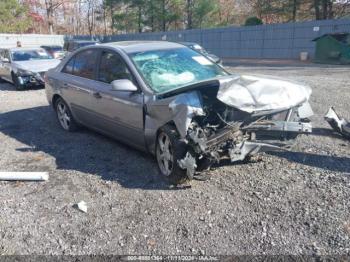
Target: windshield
x: 26, y: 55
x: 166, y: 70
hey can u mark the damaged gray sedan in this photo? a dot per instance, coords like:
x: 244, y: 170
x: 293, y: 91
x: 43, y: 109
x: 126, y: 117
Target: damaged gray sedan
x: 171, y: 101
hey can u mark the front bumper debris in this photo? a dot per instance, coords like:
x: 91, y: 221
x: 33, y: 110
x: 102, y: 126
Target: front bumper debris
x: 34, y: 80
x: 283, y: 126
x: 339, y: 124
x: 237, y: 143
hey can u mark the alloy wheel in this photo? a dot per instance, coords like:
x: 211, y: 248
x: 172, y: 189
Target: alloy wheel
x: 63, y: 115
x: 165, y: 156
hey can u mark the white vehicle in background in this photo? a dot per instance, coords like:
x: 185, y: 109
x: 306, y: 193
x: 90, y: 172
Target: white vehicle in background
x: 25, y: 67
x: 55, y: 50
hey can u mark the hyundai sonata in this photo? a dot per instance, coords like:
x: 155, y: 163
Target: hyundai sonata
x: 171, y: 101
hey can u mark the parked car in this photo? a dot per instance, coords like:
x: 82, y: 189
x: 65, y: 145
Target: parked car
x: 25, y: 67
x: 175, y: 103
x: 72, y: 45
x: 201, y: 50
x: 55, y: 51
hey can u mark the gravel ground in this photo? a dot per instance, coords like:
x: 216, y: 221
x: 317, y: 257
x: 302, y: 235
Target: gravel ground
x: 281, y: 203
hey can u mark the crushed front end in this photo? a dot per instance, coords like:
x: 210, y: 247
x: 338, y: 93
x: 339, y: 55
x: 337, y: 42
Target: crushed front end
x: 237, y: 135
x: 31, y: 78
x: 217, y: 129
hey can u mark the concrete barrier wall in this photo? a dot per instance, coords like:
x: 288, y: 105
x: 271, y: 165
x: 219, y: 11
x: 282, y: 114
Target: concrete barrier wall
x: 30, y: 40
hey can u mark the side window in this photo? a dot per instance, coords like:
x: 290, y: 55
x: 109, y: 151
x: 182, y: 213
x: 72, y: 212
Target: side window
x: 6, y: 54
x: 85, y: 63
x: 65, y: 46
x: 70, y: 46
x: 68, y: 68
x: 112, y: 67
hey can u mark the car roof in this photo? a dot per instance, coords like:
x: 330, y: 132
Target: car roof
x: 142, y: 46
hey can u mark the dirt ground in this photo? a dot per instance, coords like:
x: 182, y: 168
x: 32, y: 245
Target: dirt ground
x: 281, y: 203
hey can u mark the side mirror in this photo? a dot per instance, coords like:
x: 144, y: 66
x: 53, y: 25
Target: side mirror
x: 5, y: 60
x: 123, y: 85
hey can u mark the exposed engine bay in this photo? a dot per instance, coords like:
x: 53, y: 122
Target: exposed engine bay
x: 222, y: 131
x: 233, y: 118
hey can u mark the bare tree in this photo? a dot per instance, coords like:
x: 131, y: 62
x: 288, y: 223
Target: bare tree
x: 91, y: 15
x: 189, y: 11
x: 51, y: 6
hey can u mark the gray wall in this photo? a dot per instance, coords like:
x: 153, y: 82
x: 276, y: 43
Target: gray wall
x: 281, y: 41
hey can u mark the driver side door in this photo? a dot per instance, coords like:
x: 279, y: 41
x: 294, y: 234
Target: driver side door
x: 118, y: 113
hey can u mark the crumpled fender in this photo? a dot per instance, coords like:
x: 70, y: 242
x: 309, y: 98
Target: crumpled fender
x: 180, y: 109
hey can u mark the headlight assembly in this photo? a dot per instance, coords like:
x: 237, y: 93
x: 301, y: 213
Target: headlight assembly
x: 22, y: 72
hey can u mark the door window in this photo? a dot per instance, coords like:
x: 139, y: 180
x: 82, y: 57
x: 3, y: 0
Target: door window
x: 68, y: 68
x: 82, y: 64
x: 6, y: 54
x: 112, y: 67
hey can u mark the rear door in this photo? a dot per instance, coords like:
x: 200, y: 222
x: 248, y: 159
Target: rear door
x: 118, y: 113
x: 76, y: 80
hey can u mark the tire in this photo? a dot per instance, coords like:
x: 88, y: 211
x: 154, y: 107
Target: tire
x: 177, y: 149
x: 204, y: 164
x: 18, y: 86
x: 64, y: 116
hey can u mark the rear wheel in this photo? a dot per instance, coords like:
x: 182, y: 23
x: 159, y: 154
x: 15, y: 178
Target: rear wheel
x: 64, y: 116
x: 16, y: 82
x: 169, y: 149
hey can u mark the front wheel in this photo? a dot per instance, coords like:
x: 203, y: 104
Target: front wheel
x: 16, y: 83
x: 169, y: 149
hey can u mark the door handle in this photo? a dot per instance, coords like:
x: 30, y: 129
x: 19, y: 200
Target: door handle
x: 97, y: 95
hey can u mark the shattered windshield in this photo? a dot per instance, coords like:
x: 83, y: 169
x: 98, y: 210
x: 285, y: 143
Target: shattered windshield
x: 26, y: 55
x: 166, y: 70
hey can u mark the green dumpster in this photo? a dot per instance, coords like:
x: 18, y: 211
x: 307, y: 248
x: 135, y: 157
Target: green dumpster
x: 333, y: 49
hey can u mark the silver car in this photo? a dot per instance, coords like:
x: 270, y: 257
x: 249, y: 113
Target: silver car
x: 175, y: 103
x: 25, y: 67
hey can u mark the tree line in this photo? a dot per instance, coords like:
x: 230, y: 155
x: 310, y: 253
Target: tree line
x: 137, y: 16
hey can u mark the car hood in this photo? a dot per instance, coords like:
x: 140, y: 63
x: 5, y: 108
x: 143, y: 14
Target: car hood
x: 37, y: 65
x: 254, y: 93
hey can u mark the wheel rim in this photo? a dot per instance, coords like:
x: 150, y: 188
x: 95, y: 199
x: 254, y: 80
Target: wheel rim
x: 63, y: 117
x: 165, y: 155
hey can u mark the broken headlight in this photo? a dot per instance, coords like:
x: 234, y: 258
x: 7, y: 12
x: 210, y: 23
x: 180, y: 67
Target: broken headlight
x: 22, y: 72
